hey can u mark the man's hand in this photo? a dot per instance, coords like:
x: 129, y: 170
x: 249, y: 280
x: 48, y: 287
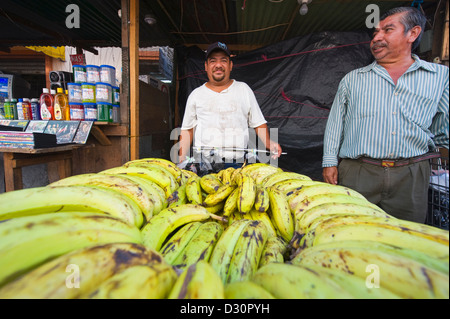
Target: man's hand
x: 275, y: 150
x: 330, y: 175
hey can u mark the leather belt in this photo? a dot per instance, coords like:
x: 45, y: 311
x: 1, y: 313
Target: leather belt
x: 399, y: 162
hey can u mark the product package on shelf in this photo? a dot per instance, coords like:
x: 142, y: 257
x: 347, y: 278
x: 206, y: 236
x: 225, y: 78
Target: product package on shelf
x: 64, y: 130
x: 15, y: 139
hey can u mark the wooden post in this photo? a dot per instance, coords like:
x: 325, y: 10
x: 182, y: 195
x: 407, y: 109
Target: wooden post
x: 134, y: 79
x: 125, y: 85
x: 48, y: 68
x: 444, y: 49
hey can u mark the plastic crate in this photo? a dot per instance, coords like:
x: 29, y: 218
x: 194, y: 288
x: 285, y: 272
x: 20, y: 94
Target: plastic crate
x: 438, y: 194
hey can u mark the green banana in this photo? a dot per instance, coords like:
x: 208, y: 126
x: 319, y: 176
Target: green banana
x: 226, y: 176
x: 424, y: 258
x: 186, y: 174
x: 329, y: 209
x: 282, y: 176
x: 223, y: 251
x: 235, y: 176
x: 402, y: 275
x: 200, y: 246
x: 219, y: 196
x: 171, y: 167
x: 156, y: 174
x: 178, y: 197
x: 247, y: 252
x: 290, y: 186
x: 354, y: 285
x: 378, y: 229
x: 152, y: 281
x: 262, y: 199
x: 308, y: 191
x: 117, y: 183
x: 46, y: 199
x: 246, y: 290
x: 273, y: 251
x: 216, y: 209
x: 250, y: 168
x: 280, y: 213
x: 258, y: 174
x: 30, y: 240
x: 287, y: 281
x: 156, y: 231
x: 237, y: 216
x: 78, y: 272
x: 247, y: 194
x: 210, y: 183
x: 302, y: 207
x: 198, y: 281
x: 265, y: 219
x: 193, y: 190
x: 231, y: 203
x: 418, y: 229
x: 157, y: 193
x: 176, y: 244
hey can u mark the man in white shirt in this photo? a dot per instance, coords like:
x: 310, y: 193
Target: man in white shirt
x: 219, y: 113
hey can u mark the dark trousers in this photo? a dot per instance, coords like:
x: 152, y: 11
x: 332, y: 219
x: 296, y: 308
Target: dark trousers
x: 400, y: 191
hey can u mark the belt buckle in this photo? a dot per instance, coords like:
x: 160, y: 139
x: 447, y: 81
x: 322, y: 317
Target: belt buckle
x: 386, y: 163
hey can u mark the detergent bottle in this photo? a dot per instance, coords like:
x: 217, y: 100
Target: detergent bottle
x: 46, y: 101
x: 61, y: 109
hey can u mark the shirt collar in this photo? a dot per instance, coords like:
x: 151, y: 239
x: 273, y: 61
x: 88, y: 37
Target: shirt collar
x: 418, y: 63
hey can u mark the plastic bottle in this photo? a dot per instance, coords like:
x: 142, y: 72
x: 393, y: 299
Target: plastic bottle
x: 13, y: 103
x: 26, y: 108
x: 46, y: 102
x: 2, y: 110
x: 35, y: 112
x: 19, y: 109
x: 61, y: 108
x: 8, y: 112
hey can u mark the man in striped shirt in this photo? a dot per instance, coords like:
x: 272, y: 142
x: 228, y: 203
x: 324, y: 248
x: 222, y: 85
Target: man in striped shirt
x: 385, y: 119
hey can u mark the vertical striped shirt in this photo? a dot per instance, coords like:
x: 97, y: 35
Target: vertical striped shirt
x: 374, y: 117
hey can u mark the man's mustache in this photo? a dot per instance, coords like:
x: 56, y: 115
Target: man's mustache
x: 378, y: 45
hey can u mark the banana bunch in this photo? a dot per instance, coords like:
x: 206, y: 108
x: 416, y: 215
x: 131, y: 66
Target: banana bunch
x: 148, y: 229
x: 404, y: 272
x: 193, y: 242
x: 238, y: 251
x: 29, y: 241
x: 198, y: 281
x: 163, y: 173
x: 49, y: 199
x: 82, y: 272
x: 146, y: 281
x: 405, y: 234
x: 298, y: 281
x: 157, y: 230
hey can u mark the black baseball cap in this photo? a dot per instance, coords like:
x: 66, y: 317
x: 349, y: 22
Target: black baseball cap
x: 217, y: 46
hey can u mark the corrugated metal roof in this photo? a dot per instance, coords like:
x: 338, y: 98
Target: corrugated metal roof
x: 242, y: 24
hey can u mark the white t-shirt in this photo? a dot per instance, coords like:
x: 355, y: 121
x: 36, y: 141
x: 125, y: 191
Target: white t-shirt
x: 222, y: 119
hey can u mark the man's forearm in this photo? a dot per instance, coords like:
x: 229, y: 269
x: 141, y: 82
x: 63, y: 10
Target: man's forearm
x: 185, y: 143
x: 263, y: 133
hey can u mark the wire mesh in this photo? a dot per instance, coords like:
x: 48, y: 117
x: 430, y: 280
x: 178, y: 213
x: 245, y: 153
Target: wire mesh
x: 438, y: 194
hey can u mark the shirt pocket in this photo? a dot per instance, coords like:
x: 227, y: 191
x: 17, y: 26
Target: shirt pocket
x: 363, y: 105
x: 420, y: 110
